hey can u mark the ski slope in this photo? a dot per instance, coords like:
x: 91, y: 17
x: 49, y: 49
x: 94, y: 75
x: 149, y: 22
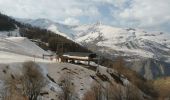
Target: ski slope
x: 20, y: 45
x: 19, y: 49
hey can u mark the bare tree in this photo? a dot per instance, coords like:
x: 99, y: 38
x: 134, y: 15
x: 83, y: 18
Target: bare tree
x: 132, y: 93
x: 11, y: 89
x: 98, y: 91
x: 89, y: 95
x: 119, y: 92
x: 67, y: 86
x: 95, y: 93
x: 32, y: 80
x: 113, y: 92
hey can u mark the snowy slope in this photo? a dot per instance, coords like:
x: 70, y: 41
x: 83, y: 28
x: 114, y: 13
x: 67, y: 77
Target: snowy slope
x: 20, y: 49
x: 9, y: 57
x: 21, y: 45
x: 82, y: 77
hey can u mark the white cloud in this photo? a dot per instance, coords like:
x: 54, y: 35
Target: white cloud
x: 117, y: 3
x: 52, y: 9
x: 147, y: 13
x: 74, y: 12
x: 71, y: 21
x: 139, y: 13
x: 92, y: 12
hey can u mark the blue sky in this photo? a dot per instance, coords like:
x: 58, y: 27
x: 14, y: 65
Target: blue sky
x: 153, y: 15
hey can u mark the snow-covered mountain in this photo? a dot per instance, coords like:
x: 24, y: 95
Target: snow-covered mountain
x: 146, y: 52
x: 135, y: 45
x: 113, y: 40
x: 127, y: 42
x: 58, y: 28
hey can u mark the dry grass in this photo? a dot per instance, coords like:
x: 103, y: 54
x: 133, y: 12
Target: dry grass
x: 26, y: 86
x: 113, y: 92
x: 12, y: 91
x: 163, y: 87
x: 135, y: 78
x: 32, y: 80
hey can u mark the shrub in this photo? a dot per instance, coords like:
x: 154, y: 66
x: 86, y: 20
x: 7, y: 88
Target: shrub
x: 32, y: 80
x: 113, y: 92
x: 67, y: 87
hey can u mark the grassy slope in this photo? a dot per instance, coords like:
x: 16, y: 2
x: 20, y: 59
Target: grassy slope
x: 162, y: 85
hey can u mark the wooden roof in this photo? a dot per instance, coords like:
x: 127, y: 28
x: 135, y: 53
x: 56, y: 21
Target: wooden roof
x: 80, y: 54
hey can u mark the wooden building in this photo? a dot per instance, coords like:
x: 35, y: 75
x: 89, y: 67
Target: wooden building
x: 80, y: 56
